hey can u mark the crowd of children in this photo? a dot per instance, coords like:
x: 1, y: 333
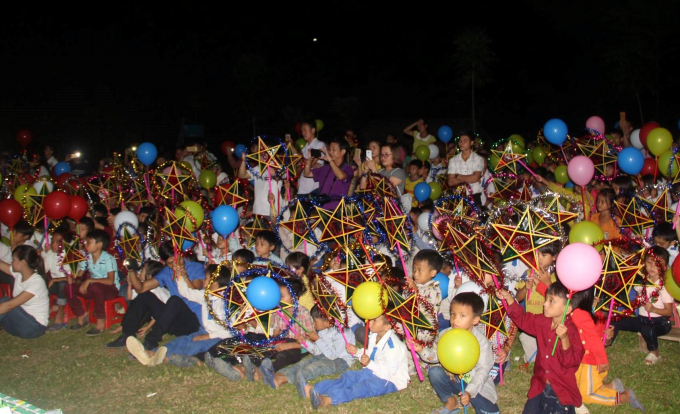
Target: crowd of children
x: 167, y: 295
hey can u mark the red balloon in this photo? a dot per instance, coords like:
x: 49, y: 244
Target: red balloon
x: 61, y: 180
x: 650, y: 166
x: 78, y: 208
x: 645, y: 130
x: 298, y: 128
x: 227, y: 147
x: 24, y: 137
x: 57, y: 204
x: 10, y: 212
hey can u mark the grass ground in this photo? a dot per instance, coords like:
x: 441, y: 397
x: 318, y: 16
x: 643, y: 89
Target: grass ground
x: 77, y: 374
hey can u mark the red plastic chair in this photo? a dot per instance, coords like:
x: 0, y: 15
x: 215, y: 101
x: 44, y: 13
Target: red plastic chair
x: 6, y: 290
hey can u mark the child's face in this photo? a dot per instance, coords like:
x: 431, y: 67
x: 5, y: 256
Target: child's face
x: 285, y: 295
x: 545, y: 260
x: 422, y: 272
x: 263, y: 248
x: 18, y: 238
x: 18, y: 265
x: 379, y: 325
x: 142, y: 217
x: 220, y: 242
x: 462, y: 317
x: 92, y: 246
x: 602, y: 203
x: 55, y: 243
x: 661, y: 242
x: 335, y: 262
x: 82, y: 231
x: 240, y: 268
x: 320, y: 324
x: 553, y: 306
x: 413, y: 170
x: 652, y: 268
x: 424, y: 172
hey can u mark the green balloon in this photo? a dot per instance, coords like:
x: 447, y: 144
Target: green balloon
x: 665, y: 160
x: 300, y: 144
x: 586, y: 232
x: 436, y: 190
x: 195, y: 210
x: 530, y: 156
x: 659, y: 140
x: 24, y: 190
x: 207, y: 179
x: 518, y: 140
x: 561, y: 174
x: 494, y: 160
x: 539, y: 155
x: 671, y: 286
x: 319, y: 125
x: 423, y: 153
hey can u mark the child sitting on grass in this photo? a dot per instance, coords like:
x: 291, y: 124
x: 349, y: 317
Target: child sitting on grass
x: 656, y: 308
x: 480, y: 391
x: 553, y: 385
x: 426, y: 264
x: 328, y: 355
x: 666, y: 236
x: 385, y: 369
x: 58, y: 274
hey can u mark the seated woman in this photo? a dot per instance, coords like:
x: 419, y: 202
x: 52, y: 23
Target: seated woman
x: 26, y: 314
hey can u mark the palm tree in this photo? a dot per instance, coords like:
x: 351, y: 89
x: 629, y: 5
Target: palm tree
x: 472, y: 59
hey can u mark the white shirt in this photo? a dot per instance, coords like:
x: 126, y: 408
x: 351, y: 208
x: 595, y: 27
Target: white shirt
x: 389, y: 361
x: 52, y: 162
x: 474, y: 163
x: 307, y: 185
x: 39, y: 305
x: 261, y: 204
x: 53, y: 265
x: 211, y: 326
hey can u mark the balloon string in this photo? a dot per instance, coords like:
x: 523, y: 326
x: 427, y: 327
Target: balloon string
x: 564, y: 315
x: 366, y: 338
x: 462, y: 392
x: 564, y: 155
x: 583, y: 200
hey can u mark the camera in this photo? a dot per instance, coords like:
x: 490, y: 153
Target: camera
x: 315, y: 153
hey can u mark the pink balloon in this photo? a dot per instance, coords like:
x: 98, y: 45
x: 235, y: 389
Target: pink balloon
x: 596, y: 123
x: 579, y: 266
x: 581, y: 170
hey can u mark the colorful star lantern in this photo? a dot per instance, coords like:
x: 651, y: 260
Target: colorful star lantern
x: 250, y: 230
x: 554, y: 207
x: 524, y: 194
x: 297, y: 225
x: 204, y: 161
x: 137, y: 194
x: 233, y: 347
x: 107, y: 189
x: 265, y: 157
x: 131, y: 244
x: 230, y: 194
x: 336, y: 225
x: 557, y: 153
x: 659, y: 210
x: 494, y: 318
x: 354, y: 274
x: 328, y: 300
x: 524, y: 239
x: 379, y: 186
x: 456, y: 206
x: 395, y: 225
x: 173, y: 181
x: 632, y: 218
x: 414, y: 313
x: 176, y: 229
x: 71, y: 256
x: 472, y: 253
x: 507, y: 160
x: 33, y: 207
x: 599, y: 153
x: 505, y: 187
x: 619, y: 274
x: 291, y: 162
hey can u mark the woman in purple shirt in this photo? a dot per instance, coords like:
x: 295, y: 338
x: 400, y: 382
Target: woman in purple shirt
x: 335, y: 176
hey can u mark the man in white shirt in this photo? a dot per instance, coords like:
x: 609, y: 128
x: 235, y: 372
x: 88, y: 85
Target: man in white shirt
x: 49, y: 156
x: 308, y: 128
x: 467, y: 168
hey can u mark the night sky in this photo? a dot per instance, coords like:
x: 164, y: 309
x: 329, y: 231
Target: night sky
x: 99, y: 79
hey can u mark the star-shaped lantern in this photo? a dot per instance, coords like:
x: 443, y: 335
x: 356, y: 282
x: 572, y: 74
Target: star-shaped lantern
x: 176, y: 229
x: 394, y: 223
x: 494, y: 318
x: 660, y: 210
x: 71, y: 256
x: 328, y: 300
x: 249, y: 231
x: 632, y: 218
x: 336, y: 225
x: 291, y: 162
x: 265, y: 157
x: 508, y: 160
x: 297, y: 225
x: 173, y: 181
x: 231, y: 194
x: 619, y: 274
x: 599, y: 153
x: 130, y: 243
x: 413, y: 312
x: 354, y: 274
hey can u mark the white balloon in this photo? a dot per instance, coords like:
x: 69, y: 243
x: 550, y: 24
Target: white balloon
x: 635, y: 139
x: 471, y: 286
x: 43, y: 183
x: 424, y: 221
x: 125, y: 217
x: 434, y: 151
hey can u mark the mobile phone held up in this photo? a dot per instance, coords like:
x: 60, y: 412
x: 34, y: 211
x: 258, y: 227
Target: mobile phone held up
x: 315, y: 153
x: 369, y: 155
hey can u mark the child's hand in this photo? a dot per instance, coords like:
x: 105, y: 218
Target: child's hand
x: 142, y: 331
x: 648, y: 307
x: 203, y: 337
x: 465, y: 398
x: 365, y: 360
x: 410, y: 283
x: 543, y: 276
x: 457, y: 281
x: 282, y: 347
x: 561, y: 331
x: 503, y: 354
x: 416, y: 346
x: 300, y: 339
x: 312, y: 336
x: 530, y: 283
x: 83, y: 287
x: 50, y: 283
x: 351, y: 349
x: 603, y: 368
x: 504, y: 294
x: 271, y: 198
x: 69, y: 280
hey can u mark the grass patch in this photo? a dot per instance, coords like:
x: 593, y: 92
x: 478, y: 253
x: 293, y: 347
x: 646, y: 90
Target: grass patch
x: 77, y: 374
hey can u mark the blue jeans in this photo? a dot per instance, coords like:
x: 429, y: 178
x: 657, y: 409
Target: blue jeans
x: 18, y: 322
x: 547, y: 403
x: 446, y: 388
x: 352, y: 385
x: 443, y: 323
x: 185, y: 345
x: 314, y: 366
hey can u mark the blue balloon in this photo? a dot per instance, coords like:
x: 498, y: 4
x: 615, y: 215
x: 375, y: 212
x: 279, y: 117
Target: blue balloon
x: 569, y: 184
x: 443, y: 284
x: 239, y: 149
x: 263, y: 293
x: 678, y: 123
x: 631, y: 160
x: 62, y: 168
x: 422, y: 191
x: 224, y: 220
x: 147, y: 153
x: 445, y: 133
x: 555, y: 131
x: 617, y: 125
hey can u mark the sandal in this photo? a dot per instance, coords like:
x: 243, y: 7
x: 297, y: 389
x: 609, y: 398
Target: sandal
x: 444, y: 410
x: 78, y: 326
x: 651, y: 359
x: 93, y: 332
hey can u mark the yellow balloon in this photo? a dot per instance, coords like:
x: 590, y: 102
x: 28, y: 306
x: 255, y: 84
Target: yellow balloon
x: 366, y: 300
x: 458, y: 351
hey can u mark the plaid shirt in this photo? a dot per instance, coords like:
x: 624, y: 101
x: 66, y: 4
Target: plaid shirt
x: 303, y: 317
x: 474, y: 163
